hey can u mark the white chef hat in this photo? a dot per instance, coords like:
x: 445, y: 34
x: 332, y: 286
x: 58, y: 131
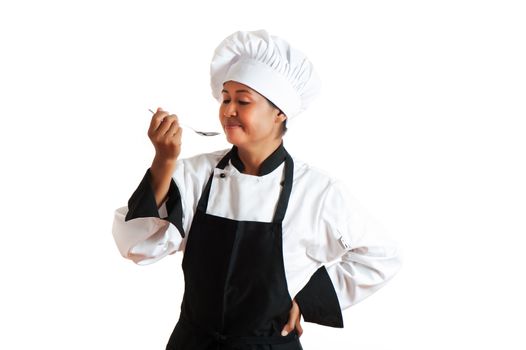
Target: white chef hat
x: 267, y: 64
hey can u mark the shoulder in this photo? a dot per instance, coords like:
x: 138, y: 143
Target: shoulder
x: 312, y: 175
x: 327, y: 190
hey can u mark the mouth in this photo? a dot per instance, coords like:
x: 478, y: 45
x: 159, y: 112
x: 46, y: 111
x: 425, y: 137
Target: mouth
x: 232, y: 125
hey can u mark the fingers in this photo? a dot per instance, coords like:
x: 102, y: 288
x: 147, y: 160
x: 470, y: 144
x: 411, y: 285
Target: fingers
x: 157, y: 119
x: 174, y: 129
x: 163, y: 124
x: 170, y: 121
x: 299, y: 328
x: 294, y: 321
x: 166, y: 135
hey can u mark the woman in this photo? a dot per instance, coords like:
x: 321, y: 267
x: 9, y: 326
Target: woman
x: 266, y: 238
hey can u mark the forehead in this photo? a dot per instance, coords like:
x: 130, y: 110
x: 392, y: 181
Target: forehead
x: 234, y: 87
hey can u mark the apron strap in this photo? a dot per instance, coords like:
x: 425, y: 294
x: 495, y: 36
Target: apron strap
x: 284, y: 196
x: 203, y: 201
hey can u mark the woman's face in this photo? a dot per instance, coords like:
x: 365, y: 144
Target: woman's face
x: 248, y: 119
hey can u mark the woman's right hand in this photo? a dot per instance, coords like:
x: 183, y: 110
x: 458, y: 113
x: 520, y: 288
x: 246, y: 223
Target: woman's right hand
x: 165, y: 134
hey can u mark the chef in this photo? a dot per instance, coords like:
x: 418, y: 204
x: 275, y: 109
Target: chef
x: 267, y: 238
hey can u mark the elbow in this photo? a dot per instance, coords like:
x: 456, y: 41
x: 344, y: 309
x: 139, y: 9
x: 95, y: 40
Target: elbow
x: 374, y: 265
x: 145, y: 240
x: 146, y: 254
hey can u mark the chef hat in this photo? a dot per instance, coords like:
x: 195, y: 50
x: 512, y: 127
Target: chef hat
x: 268, y: 65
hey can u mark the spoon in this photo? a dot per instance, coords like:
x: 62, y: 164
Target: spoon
x: 202, y: 133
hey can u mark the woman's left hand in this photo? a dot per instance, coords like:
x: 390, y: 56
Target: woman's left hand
x: 294, y: 320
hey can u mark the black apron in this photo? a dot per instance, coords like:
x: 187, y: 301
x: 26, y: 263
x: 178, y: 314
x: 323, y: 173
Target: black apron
x: 236, y: 294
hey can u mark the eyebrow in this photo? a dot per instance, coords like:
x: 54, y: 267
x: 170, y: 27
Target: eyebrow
x: 242, y: 90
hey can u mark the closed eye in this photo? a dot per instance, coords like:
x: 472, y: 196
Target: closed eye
x: 225, y: 102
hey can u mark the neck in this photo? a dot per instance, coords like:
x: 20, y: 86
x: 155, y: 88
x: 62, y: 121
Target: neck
x: 253, y: 157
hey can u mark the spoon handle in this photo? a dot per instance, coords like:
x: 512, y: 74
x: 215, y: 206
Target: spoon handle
x: 182, y: 124
x: 202, y: 133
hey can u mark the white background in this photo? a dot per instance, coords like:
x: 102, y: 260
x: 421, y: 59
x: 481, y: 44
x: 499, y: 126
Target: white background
x: 422, y: 115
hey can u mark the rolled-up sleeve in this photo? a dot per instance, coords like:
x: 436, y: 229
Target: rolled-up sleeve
x: 356, y: 255
x: 145, y: 234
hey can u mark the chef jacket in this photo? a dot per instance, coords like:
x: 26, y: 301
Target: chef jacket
x: 334, y: 254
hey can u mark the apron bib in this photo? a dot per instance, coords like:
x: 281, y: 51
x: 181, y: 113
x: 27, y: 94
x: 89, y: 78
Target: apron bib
x: 236, y: 294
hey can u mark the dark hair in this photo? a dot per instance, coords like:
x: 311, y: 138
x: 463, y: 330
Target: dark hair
x: 284, y: 124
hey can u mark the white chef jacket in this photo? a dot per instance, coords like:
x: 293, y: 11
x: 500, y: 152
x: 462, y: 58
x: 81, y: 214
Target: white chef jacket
x: 323, y: 226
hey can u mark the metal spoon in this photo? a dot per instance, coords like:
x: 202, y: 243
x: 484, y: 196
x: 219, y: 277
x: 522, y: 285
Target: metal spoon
x: 202, y: 133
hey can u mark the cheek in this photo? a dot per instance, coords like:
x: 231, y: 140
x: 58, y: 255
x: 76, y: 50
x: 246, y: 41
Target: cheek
x: 252, y: 120
x: 260, y: 125
x: 265, y: 119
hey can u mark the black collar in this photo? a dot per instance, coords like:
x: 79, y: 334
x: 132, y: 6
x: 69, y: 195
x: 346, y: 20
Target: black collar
x: 269, y: 165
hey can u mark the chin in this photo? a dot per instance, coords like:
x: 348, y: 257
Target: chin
x: 234, y: 138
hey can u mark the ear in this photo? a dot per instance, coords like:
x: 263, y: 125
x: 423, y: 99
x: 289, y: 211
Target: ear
x: 280, y: 117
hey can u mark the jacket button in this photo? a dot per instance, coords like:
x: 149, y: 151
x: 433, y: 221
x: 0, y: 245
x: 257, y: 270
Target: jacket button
x: 222, y: 175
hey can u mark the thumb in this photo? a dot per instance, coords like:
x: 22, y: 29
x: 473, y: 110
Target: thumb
x: 294, y: 315
x: 289, y: 327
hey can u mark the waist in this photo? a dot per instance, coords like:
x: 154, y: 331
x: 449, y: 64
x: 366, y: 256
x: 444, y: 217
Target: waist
x: 237, y: 339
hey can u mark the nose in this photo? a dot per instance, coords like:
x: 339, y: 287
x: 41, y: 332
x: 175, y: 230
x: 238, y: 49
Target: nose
x: 230, y: 110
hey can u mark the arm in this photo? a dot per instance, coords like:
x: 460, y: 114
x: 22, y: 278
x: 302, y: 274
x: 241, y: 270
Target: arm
x: 355, y: 255
x: 150, y: 227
